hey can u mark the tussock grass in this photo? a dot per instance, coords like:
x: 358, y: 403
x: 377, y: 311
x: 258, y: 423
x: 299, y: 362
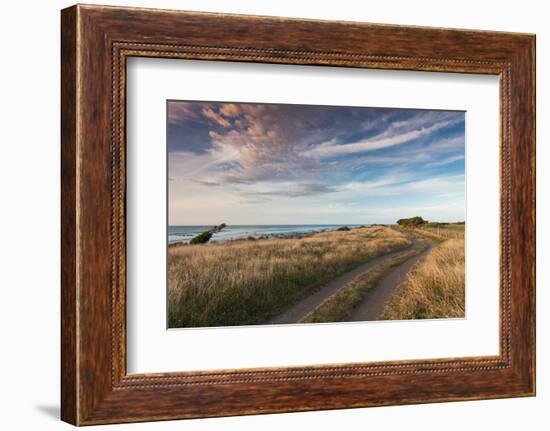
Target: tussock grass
x: 249, y: 282
x: 434, y: 288
x: 337, y: 307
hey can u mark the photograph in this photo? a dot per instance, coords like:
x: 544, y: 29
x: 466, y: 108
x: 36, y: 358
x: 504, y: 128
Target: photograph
x: 288, y: 214
x: 282, y: 211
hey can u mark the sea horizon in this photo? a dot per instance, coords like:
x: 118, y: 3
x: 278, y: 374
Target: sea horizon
x: 276, y: 224
x: 184, y: 233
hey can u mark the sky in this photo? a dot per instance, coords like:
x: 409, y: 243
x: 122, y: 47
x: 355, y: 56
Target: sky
x: 252, y: 163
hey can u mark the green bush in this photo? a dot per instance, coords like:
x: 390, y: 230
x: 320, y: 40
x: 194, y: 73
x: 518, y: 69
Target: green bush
x: 343, y: 228
x: 218, y: 228
x: 201, y: 238
x: 411, y: 222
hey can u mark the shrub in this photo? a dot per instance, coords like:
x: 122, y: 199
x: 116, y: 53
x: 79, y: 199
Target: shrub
x: 201, y: 238
x: 204, y: 237
x: 411, y: 222
x: 343, y: 229
x: 218, y: 228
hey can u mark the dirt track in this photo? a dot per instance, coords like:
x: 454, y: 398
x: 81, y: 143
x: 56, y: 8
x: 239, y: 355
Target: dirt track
x: 299, y: 310
x: 373, y: 304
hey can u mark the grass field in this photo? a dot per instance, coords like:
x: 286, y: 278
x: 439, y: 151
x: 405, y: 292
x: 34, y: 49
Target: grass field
x: 435, y: 287
x: 251, y: 281
x: 442, y: 233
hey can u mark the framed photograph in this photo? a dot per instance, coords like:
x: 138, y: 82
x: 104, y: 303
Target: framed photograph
x: 264, y: 215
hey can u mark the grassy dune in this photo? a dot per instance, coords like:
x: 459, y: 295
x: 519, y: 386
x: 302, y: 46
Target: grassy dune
x: 251, y: 281
x: 337, y: 307
x: 435, y: 287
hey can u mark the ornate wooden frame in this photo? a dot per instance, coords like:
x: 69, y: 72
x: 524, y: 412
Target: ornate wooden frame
x: 95, y: 43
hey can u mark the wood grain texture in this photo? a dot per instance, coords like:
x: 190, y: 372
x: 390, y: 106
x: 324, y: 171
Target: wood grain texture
x: 96, y: 41
x: 69, y: 397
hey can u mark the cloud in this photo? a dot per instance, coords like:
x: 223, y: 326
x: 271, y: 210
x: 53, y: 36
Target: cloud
x: 230, y: 110
x: 389, y: 138
x: 206, y: 183
x: 446, y: 161
x: 258, y: 154
x: 214, y: 116
x: 294, y: 190
x: 272, y: 139
x: 263, y: 143
x: 407, y: 184
x: 180, y: 112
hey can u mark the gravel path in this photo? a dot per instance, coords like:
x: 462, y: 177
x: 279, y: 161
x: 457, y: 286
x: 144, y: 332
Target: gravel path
x: 299, y: 310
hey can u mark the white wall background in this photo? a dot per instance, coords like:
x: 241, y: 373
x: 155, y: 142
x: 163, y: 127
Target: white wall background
x: 29, y: 215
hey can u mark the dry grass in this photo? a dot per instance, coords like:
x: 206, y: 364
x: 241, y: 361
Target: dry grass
x: 251, y: 281
x: 434, y: 288
x: 451, y: 231
x: 337, y: 307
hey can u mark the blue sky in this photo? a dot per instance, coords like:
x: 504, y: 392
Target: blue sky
x: 243, y: 163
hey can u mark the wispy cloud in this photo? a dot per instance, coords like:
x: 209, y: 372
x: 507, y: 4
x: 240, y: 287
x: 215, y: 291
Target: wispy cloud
x: 294, y: 190
x: 383, y: 140
x: 260, y: 154
x: 402, y: 184
x: 446, y: 161
x: 181, y: 112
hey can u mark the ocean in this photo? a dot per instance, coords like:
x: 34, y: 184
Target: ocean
x: 185, y: 233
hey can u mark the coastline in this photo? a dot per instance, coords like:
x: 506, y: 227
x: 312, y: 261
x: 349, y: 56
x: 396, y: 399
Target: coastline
x: 254, y: 236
